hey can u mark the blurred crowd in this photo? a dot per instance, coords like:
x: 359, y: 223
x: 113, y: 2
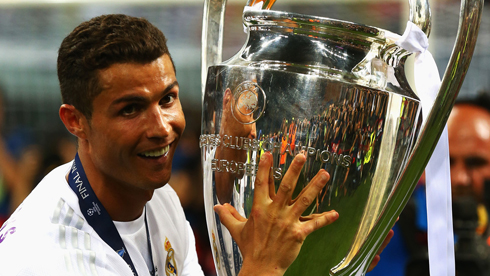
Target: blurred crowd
x: 24, y: 162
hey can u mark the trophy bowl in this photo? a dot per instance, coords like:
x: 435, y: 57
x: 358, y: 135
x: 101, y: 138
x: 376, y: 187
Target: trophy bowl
x: 333, y: 90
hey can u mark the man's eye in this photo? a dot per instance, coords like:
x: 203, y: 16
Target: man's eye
x: 475, y: 162
x: 129, y: 110
x: 170, y: 98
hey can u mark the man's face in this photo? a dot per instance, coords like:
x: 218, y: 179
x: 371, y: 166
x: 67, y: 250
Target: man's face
x: 469, y: 150
x: 136, y: 123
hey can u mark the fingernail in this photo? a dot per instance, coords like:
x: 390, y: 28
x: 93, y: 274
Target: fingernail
x: 302, y: 157
x: 323, y: 176
x: 334, y: 215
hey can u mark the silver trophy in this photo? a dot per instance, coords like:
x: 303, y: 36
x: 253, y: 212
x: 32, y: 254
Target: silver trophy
x: 336, y: 91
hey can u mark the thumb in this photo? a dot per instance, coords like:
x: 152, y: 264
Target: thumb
x: 234, y: 212
x: 228, y: 218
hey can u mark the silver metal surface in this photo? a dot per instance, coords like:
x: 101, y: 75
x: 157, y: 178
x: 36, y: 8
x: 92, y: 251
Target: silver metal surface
x: 420, y: 15
x: 212, y: 36
x: 337, y: 91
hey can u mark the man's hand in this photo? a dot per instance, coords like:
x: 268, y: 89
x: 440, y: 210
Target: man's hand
x: 271, y: 238
x: 376, y: 259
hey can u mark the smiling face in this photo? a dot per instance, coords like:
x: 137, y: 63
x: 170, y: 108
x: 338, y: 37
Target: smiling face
x: 136, y: 123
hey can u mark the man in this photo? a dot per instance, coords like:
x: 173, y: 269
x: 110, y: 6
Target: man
x: 469, y: 144
x: 469, y: 148
x: 110, y: 212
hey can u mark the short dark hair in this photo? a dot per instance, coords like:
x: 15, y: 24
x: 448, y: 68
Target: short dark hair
x: 99, y: 43
x: 481, y: 99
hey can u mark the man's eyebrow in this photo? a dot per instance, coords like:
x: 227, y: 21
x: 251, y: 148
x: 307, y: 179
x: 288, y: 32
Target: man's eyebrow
x: 135, y: 98
x: 129, y: 98
x: 172, y: 85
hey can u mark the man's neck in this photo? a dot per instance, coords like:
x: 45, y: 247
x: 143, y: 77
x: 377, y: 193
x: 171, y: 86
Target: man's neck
x: 122, y: 201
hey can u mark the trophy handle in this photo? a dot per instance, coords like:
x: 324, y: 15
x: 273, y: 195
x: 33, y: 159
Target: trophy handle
x: 212, y: 37
x: 212, y: 33
x: 469, y: 24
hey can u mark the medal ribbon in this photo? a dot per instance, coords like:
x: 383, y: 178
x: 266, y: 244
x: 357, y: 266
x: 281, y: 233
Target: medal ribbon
x: 97, y: 216
x: 437, y: 171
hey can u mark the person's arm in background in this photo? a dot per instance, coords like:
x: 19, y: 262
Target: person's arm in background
x: 18, y: 175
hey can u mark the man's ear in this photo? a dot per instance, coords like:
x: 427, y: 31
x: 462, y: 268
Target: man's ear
x: 227, y: 97
x: 75, y: 122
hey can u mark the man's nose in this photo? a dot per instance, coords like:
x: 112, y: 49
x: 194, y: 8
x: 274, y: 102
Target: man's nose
x: 253, y: 132
x: 158, y: 124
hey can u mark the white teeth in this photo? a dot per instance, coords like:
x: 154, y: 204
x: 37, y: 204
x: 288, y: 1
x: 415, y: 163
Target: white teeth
x: 156, y: 153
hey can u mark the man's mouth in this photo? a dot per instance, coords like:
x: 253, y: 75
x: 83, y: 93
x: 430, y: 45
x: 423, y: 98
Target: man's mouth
x: 155, y: 153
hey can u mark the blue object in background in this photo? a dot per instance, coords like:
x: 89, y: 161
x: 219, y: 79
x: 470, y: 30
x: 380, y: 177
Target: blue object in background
x: 394, y: 257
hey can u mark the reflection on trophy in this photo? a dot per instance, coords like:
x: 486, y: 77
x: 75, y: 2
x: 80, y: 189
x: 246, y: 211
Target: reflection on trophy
x: 335, y: 91
x: 236, y: 124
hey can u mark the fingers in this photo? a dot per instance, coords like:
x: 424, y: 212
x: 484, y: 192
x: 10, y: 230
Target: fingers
x: 261, y: 191
x: 272, y: 186
x: 318, y: 221
x: 310, y: 192
x: 377, y: 258
x: 227, y: 218
x: 310, y: 217
x: 234, y: 212
x: 386, y: 241
x: 288, y: 183
x: 374, y: 263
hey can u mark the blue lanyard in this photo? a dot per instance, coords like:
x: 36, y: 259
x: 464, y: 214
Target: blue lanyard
x: 97, y: 216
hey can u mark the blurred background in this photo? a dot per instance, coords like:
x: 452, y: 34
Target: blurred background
x: 33, y: 138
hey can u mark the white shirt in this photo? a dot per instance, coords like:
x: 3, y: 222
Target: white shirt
x: 48, y: 235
